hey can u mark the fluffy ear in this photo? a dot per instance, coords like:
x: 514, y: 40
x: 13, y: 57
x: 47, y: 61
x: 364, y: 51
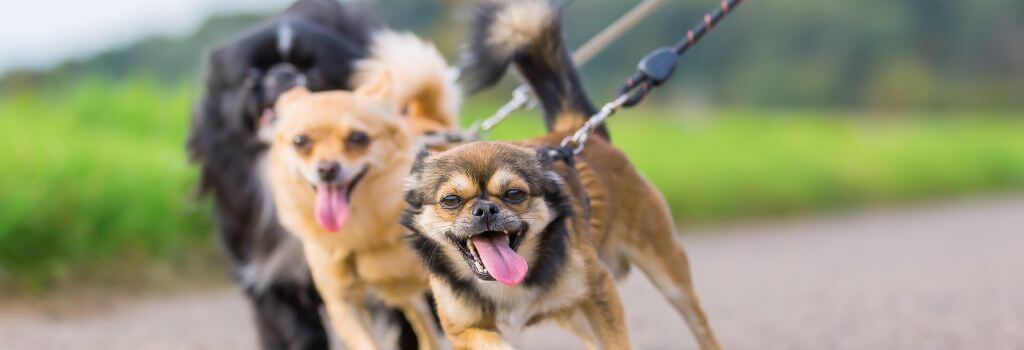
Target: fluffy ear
x: 412, y: 183
x: 376, y: 84
x: 411, y: 77
x: 548, y: 157
x: 290, y: 97
x: 421, y: 161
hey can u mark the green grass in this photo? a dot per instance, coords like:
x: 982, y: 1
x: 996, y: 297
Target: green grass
x: 742, y: 164
x: 95, y: 176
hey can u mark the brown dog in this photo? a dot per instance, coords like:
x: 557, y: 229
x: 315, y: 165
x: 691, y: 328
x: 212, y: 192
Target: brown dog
x: 336, y: 165
x: 513, y: 236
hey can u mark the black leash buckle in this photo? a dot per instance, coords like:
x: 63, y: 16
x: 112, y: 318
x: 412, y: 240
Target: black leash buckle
x: 653, y: 70
x: 659, y: 65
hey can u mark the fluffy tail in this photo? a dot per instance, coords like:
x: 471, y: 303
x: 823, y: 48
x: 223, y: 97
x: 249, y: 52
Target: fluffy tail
x: 528, y: 34
x: 412, y: 76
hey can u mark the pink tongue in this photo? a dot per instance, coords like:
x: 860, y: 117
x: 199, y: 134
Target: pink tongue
x: 500, y: 260
x: 331, y: 207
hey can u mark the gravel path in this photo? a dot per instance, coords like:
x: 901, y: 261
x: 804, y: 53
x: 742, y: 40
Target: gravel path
x: 942, y: 277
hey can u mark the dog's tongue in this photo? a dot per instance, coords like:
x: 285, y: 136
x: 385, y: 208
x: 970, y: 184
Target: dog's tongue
x: 331, y: 207
x: 500, y: 260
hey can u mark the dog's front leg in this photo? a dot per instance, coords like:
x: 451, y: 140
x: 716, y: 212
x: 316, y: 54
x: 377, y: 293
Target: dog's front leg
x: 466, y: 325
x: 474, y: 338
x: 342, y: 297
x: 347, y: 319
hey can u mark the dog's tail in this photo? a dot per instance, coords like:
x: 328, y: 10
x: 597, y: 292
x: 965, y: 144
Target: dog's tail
x: 528, y: 35
x: 412, y: 76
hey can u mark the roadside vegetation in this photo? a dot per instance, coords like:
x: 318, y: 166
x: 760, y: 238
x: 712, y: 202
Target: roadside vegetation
x: 96, y: 181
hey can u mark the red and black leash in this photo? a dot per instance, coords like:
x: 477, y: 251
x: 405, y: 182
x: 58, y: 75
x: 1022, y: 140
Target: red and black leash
x: 653, y: 70
x: 658, y: 66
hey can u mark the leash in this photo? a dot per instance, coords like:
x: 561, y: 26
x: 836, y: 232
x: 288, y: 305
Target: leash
x: 653, y: 70
x: 522, y: 98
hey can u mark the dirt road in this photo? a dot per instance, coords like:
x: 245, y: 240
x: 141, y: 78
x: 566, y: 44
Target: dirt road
x: 943, y: 277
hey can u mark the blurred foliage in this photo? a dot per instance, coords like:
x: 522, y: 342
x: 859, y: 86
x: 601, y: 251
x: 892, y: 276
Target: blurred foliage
x: 739, y: 164
x: 96, y: 180
x: 96, y: 177
x: 735, y: 164
x: 885, y: 55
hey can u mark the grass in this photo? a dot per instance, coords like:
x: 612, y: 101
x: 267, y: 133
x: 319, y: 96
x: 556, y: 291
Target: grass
x: 96, y: 181
x: 743, y: 163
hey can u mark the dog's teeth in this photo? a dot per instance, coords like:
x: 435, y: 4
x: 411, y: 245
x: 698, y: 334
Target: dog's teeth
x: 472, y: 249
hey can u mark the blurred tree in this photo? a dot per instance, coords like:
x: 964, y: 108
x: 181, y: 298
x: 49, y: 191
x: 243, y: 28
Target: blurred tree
x: 923, y: 54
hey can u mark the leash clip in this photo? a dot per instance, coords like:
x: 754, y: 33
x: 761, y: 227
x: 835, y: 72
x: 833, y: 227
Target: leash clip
x: 653, y: 70
x: 659, y: 65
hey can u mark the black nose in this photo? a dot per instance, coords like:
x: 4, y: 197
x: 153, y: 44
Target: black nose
x: 282, y: 74
x: 485, y: 209
x: 328, y: 171
x: 279, y: 79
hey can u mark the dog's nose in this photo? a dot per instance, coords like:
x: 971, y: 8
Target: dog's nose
x: 328, y: 171
x: 485, y: 209
x: 283, y: 75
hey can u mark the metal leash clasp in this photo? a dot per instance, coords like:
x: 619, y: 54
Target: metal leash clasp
x: 521, y: 98
x: 579, y: 138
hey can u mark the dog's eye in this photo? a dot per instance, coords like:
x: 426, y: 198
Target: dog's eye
x: 357, y: 139
x: 451, y: 201
x: 515, y: 195
x: 301, y: 141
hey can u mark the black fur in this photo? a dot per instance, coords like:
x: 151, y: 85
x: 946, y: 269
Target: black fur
x: 545, y: 64
x: 553, y: 244
x: 283, y: 310
x: 222, y: 140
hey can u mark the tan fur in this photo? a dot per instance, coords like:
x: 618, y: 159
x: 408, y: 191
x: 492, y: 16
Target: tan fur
x: 568, y: 122
x: 411, y: 75
x: 368, y: 254
x: 516, y: 26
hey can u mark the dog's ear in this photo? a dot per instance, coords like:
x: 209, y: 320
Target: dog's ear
x: 426, y: 108
x: 547, y: 156
x: 421, y: 161
x: 412, y: 78
x: 551, y: 182
x: 376, y: 84
x: 413, y: 188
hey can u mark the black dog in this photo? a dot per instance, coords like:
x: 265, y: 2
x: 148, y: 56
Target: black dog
x: 314, y: 43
